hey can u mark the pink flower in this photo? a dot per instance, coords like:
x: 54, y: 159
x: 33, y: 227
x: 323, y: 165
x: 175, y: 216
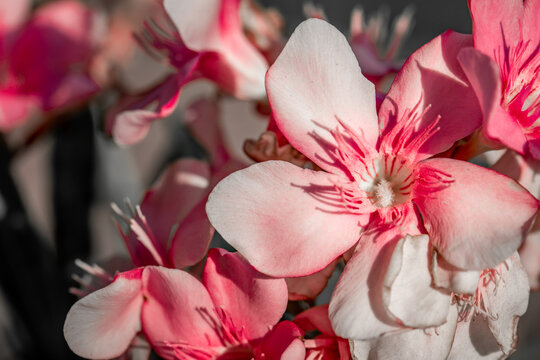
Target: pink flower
x: 503, y: 69
x: 325, y: 344
x: 233, y: 312
x: 61, y: 37
x: 378, y: 175
x: 170, y: 228
x: 201, y: 39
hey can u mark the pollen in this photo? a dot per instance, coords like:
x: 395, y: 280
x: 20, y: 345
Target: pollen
x: 384, y: 194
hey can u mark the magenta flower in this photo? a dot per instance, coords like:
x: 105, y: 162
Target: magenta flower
x: 231, y: 314
x: 504, y: 69
x: 201, y: 39
x: 377, y: 169
x: 62, y: 35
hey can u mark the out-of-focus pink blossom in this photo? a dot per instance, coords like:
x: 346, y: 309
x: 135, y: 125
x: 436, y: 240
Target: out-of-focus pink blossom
x: 504, y: 68
x: 45, y: 61
x: 233, y: 312
x: 201, y: 39
x: 170, y: 227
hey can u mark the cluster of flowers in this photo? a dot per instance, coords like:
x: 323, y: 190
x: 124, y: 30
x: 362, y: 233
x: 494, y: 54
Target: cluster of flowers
x: 440, y: 254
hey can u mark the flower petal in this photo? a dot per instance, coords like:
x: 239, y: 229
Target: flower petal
x: 508, y: 300
x: 315, y: 83
x: 282, y: 342
x: 129, y: 121
x: 452, y: 279
x: 103, y: 324
x: 407, y: 286
x: 501, y: 209
x: 315, y: 318
x: 178, y: 312
x: 274, y: 211
x: 255, y: 302
x: 430, y: 74
x: 356, y: 308
x: 432, y: 343
x: 495, y: 26
x: 484, y: 76
x: 474, y: 340
x: 174, y: 195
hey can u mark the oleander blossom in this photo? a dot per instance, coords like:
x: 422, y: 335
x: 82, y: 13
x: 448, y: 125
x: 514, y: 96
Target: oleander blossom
x: 232, y: 314
x: 504, y: 68
x: 377, y: 172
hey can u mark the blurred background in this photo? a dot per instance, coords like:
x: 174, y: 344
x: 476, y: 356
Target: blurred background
x: 60, y: 172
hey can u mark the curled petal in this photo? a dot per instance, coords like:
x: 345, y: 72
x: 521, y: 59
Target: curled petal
x: 407, y: 286
x: 452, y: 279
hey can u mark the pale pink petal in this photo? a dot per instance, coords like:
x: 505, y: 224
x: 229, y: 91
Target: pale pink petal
x: 479, y: 218
x: 283, y: 342
x: 407, y: 286
x: 103, y: 324
x: 484, y: 76
x: 309, y: 287
x: 255, y: 302
x: 506, y: 301
x: 526, y: 171
x: 474, y: 340
x: 314, y: 85
x: 356, y: 308
x: 192, y: 238
x: 315, y: 318
x: 202, y: 119
x: 274, y: 211
x: 530, y: 255
x: 235, y: 64
x: 422, y: 344
x: 178, y: 313
x: 178, y: 190
x: 129, y: 121
x: 452, y: 279
x: 432, y: 76
x: 495, y: 26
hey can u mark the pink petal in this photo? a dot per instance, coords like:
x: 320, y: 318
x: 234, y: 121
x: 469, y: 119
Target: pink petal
x: 356, y: 308
x: 73, y: 88
x: 236, y: 65
x: 501, y: 209
x: 13, y: 14
x: 474, y: 340
x: 129, y: 121
x: 274, y: 211
x: 314, y: 84
x: 407, y: 286
x: 484, y: 76
x: 309, y: 287
x: 432, y: 76
x: 495, y: 26
x: 254, y: 301
x: 15, y: 109
x: 192, y: 238
x: 283, y: 342
x: 315, y: 318
x: 422, y: 344
x: 508, y: 300
x: 452, y: 279
x: 531, y: 20
x: 178, y: 312
x: 103, y: 324
x: 178, y: 190
x: 526, y: 171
